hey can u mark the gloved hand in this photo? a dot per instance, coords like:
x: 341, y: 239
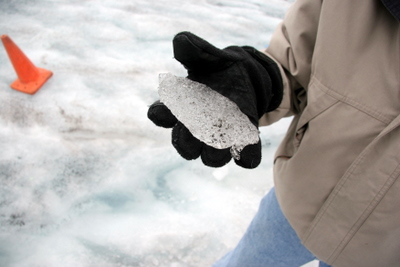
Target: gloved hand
x: 246, y: 76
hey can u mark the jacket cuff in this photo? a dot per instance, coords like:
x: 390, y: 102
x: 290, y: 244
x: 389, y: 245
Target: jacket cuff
x: 284, y: 109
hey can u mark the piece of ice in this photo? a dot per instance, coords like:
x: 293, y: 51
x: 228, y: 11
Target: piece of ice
x: 208, y: 115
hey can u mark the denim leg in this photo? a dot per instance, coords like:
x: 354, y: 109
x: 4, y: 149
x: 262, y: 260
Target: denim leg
x: 323, y: 264
x: 268, y: 241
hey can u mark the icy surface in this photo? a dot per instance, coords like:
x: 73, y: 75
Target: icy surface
x: 209, y: 116
x: 85, y: 178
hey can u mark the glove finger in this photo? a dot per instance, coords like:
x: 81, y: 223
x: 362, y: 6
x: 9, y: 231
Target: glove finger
x: 214, y: 157
x: 197, y: 54
x: 160, y: 115
x: 188, y: 146
x: 250, y: 156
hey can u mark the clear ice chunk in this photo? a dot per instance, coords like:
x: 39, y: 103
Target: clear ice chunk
x: 208, y: 115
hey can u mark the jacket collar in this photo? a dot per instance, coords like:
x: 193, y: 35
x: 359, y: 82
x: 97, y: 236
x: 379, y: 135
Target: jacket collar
x: 394, y: 7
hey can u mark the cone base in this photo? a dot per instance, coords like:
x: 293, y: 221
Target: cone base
x: 32, y: 87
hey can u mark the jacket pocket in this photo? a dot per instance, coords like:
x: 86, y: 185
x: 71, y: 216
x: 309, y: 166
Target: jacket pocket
x: 316, y: 106
x: 318, y: 101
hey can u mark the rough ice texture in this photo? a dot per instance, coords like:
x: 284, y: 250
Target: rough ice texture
x: 209, y: 116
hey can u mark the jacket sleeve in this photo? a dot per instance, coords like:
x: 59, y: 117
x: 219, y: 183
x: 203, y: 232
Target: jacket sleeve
x: 292, y: 47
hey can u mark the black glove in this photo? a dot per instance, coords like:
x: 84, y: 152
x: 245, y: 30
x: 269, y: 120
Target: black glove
x: 246, y: 76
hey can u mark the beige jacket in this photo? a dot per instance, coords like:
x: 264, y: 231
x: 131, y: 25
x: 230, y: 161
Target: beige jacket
x: 337, y: 170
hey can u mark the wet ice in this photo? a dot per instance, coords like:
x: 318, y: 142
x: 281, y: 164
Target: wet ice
x: 209, y: 116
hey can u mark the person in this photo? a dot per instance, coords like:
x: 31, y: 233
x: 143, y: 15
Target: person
x: 335, y: 67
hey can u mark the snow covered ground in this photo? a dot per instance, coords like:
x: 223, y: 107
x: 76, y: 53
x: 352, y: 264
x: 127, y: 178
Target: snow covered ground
x: 86, y: 179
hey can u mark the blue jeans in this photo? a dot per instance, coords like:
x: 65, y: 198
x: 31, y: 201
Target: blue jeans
x: 269, y: 241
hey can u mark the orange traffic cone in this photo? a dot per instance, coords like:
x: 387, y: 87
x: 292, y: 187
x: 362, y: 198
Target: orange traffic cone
x: 30, y: 78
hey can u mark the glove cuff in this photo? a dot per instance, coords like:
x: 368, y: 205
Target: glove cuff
x: 275, y: 75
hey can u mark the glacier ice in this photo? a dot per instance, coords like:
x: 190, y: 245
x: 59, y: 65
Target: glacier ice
x: 208, y: 115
